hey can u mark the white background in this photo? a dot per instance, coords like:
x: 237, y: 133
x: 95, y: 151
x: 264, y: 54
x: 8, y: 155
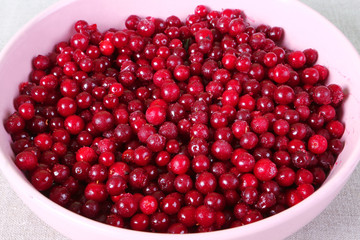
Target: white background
x: 341, y: 220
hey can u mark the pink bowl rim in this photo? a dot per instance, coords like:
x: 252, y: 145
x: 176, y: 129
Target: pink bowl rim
x: 10, y: 171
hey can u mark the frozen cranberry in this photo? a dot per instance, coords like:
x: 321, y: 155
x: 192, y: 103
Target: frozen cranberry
x: 170, y: 205
x: 280, y: 73
x: 162, y: 158
x: 138, y: 178
x: 183, y: 183
x: 26, y: 160
x: 60, y: 195
x: 284, y: 95
x: 186, y: 216
x: 259, y: 125
x: 198, y: 146
x: 265, y: 169
x: 116, y: 185
x: 143, y: 130
x: 285, y: 176
x: 126, y: 206
x: 42, y: 179
x: 156, y: 115
x: 317, y: 144
x: 179, y: 164
x: 221, y: 150
x: 96, y: 191
x: 193, y: 198
x: 26, y: 111
x: 80, y: 41
x: 160, y: 221
x: 321, y: 95
x: 115, y: 220
x: 335, y: 128
x: 205, y: 216
x: 200, y: 163
x: 249, y: 140
x: 103, y: 121
x: 206, y: 182
x: 139, y: 222
x: 142, y: 156
x: 228, y: 181
x: 300, y: 159
x: 297, y: 59
x: 148, y: 205
x: 74, y: 124
x: 310, y: 76
x: 243, y: 160
x: 86, y: 154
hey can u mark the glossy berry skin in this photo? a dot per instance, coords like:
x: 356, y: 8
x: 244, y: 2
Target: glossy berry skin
x: 265, y: 169
x: 74, y: 124
x: 205, y: 216
x: 170, y: 205
x: 116, y: 185
x: 206, y: 182
x: 138, y: 178
x: 148, y: 205
x: 156, y: 142
x: 317, y: 144
x: 284, y: 95
x: 15, y: 124
x: 155, y: 115
x: 66, y: 107
x: 222, y: 150
x: 159, y: 222
x: 96, y: 192
x: 26, y: 160
x: 243, y: 161
x: 139, y: 222
x: 179, y: 164
x: 41, y: 179
x: 280, y: 73
x: 126, y: 206
x: 297, y: 59
x: 142, y: 156
x: 86, y: 154
x: 27, y: 111
x: 103, y: 121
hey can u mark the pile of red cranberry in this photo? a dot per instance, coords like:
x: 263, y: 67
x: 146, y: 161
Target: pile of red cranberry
x: 177, y: 127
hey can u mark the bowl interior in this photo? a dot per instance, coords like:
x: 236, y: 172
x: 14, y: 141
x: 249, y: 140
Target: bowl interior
x: 313, y: 31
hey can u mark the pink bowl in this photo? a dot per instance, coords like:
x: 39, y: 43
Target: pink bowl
x: 55, y: 24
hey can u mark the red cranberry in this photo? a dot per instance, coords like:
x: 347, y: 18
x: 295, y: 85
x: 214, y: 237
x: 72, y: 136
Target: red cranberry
x: 179, y: 164
x: 205, y: 216
x: 156, y: 115
x: 126, y: 206
x: 221, y: 150
x: 265, y: 169
x: 138, y: 178
x: 42, y: 179
x: 183, y: 183
x: 317, y: 144
x: 205, y: 182
x: 60, y: 195
x: 243, y: 160
x: 96, y: 191
x: 160, y: 221
x: 116, y: 185
x: 26, y: 160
